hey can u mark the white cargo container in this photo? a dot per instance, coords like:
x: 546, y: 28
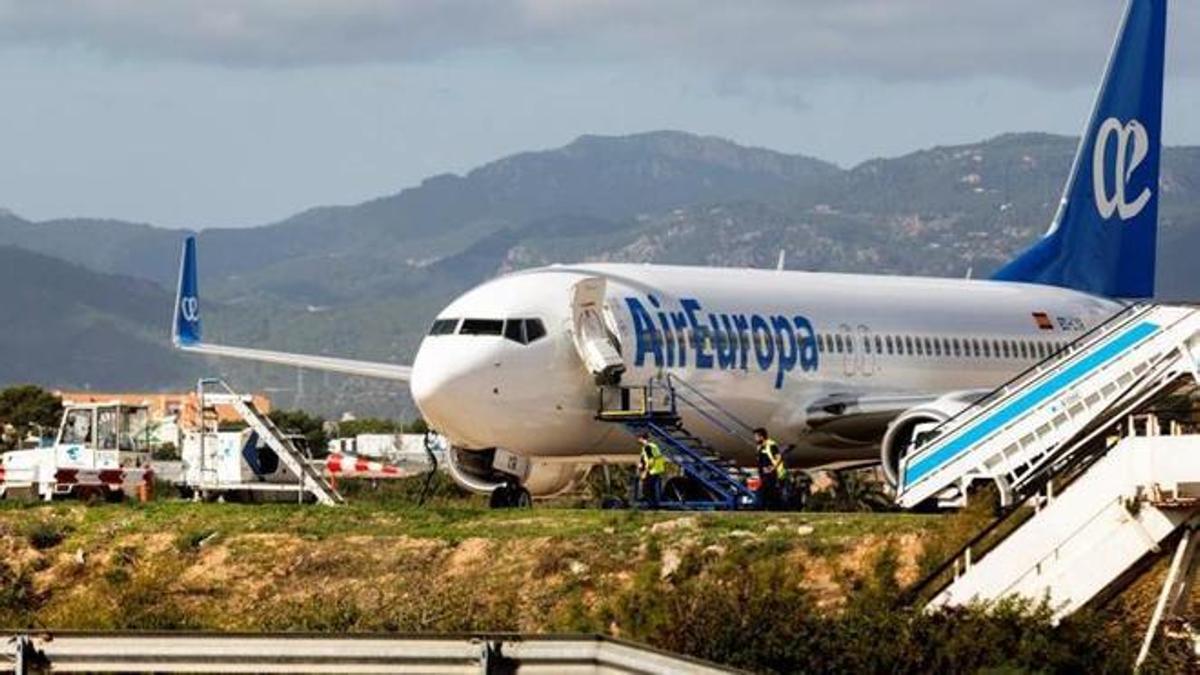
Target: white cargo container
x: 236, y: 465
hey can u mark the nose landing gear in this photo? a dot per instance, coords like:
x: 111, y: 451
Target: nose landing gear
x: 510, y: 495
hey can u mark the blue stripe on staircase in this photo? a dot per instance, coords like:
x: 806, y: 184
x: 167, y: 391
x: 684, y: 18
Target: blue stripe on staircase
x: 1037, y: 396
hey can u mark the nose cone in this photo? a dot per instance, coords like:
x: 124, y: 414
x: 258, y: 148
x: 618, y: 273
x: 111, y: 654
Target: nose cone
x: 450, y: 387
x: 431, y: 385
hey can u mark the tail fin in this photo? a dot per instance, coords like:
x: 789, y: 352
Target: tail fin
x: 186, y: 326
x: 1103, y: 237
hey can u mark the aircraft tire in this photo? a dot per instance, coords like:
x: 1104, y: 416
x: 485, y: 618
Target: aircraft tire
x: 510, y: 496
x: 521, y: 498
x: 501, y: 497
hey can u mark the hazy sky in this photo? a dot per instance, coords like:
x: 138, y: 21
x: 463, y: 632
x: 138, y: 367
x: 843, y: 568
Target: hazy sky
x: 221, y: 113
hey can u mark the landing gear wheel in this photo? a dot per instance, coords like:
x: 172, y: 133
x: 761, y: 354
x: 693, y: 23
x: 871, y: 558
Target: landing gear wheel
x: 522, y: 499
x: 510, y: 496
x: 501, y: 497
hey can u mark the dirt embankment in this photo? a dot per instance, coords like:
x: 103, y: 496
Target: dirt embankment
x: 231, y: 567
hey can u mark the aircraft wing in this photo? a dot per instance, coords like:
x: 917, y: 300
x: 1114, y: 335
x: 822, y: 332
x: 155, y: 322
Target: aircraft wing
x: 186, y: 334
x: 864, y: 418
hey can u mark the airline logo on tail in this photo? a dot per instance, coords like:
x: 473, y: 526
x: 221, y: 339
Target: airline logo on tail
x: 1103, y: 238
x: 189, y: 307
x: 1125, y: 161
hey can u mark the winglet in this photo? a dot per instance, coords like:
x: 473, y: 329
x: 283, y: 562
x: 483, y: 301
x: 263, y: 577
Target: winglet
x: 185, y: 330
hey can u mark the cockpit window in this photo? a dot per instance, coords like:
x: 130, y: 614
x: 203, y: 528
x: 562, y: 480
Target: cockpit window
x: 534, y: 330
x: 514, y: 329
x: 481, y: 327
x: 524, y: 331
x: 443, y: 327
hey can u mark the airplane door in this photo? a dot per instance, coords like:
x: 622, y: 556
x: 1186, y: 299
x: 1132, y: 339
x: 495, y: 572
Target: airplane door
x: 594, y: 341
x: 868, y: 359
x: 846, y: 335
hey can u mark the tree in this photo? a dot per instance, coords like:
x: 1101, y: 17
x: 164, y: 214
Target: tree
x: 367, y: 425
x: 28, y: 408
x: 311, y: 427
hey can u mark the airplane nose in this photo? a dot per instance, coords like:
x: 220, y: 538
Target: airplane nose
x: 430, y: 386
x: 446, y: 387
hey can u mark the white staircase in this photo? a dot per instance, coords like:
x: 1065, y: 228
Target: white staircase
x: 311, y: 480
x: 1120, y: 510
x: 1034, y: 423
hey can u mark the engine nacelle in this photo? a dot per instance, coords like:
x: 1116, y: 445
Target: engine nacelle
x: 899, y: 435
x: 482, y: 471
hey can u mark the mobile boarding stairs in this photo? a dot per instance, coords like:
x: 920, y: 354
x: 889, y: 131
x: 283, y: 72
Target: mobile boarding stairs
x: 1079, y: 438
x: 658, y: 410
x: 303, y: 477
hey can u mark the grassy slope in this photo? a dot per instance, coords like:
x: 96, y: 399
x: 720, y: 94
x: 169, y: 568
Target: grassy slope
x: 373, y: 567
x: 704, y: 584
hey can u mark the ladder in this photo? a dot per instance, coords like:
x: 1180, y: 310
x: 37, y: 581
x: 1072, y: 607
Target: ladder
x: 1087, y: 539
x: 1033, y: 424
x: 655, y: 410
x: 311, y: 480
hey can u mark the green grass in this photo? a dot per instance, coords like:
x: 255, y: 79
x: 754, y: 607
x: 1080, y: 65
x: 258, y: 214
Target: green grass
x: 771, y: 592
x: 194, y: 521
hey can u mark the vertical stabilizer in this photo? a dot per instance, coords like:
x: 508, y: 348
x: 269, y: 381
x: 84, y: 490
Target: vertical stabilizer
x: 1103, y: 237
x: 186, y: 326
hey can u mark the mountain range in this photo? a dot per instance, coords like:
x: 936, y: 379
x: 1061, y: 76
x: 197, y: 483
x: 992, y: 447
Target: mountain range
x: 365, y: 280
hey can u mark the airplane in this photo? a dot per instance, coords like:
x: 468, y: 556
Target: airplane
x: 843, y: 367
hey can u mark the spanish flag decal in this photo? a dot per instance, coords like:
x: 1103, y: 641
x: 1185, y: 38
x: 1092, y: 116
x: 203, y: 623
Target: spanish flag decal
x: 1043, y: 321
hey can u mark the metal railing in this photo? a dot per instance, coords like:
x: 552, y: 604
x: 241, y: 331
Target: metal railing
x: 190, y: 652
x: 666, y: 397
x: 1019, y: 382
x: 1057, y: 358
x: 715, y: 414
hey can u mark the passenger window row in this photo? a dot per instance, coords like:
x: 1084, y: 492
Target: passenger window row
x: 928, y: 345
x: 901, y: 345
x: 523, y: 331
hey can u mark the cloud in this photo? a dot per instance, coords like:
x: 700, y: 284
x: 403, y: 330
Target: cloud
x: 895, y: 40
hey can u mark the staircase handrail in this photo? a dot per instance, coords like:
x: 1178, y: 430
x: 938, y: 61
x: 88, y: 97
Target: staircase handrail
x: 975, y: 409
x: 914, y: 592
x: 738, y: 487
x: 1063, y: 476
x: 304, y: 471
x: 734, y: 426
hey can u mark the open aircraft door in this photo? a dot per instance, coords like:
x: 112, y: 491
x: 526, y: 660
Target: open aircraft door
x: 594, y: 340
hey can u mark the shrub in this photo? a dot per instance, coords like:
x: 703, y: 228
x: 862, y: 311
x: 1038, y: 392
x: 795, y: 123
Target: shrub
x: 18, y: 599
x: 46, y: 533
x: 190, y: 540
x: 756, y: 615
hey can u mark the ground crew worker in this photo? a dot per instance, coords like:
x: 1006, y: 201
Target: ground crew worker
x: 771, y: 470
x: 651, y: 468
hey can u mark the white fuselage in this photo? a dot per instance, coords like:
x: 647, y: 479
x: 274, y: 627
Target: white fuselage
x: 766, y: 345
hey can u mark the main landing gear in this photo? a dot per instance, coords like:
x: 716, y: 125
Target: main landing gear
x: 510, y: 495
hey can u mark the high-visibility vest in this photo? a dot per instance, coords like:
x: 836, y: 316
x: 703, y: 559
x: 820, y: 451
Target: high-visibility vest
x: 770, y: 449
x: 653, y: 459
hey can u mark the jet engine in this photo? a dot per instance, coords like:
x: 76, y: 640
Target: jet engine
x: 482, y: 471
x: 899, y: 435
